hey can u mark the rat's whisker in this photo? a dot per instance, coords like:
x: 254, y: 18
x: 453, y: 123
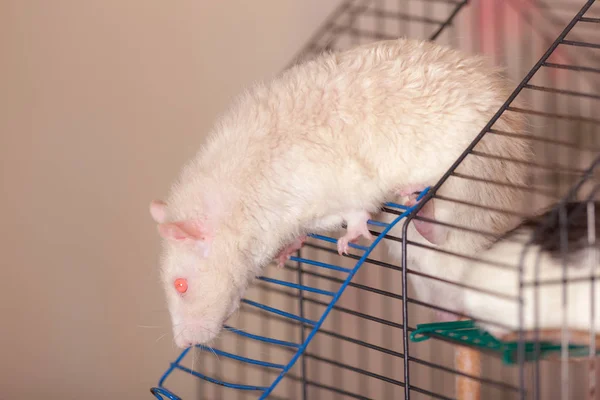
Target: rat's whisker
x: 213, y: 351
x: 160, y: 337
x: 209, y: 330
x: 150, y: 326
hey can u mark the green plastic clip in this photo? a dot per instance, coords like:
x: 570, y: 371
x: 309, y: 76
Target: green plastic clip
x: 468, y: 333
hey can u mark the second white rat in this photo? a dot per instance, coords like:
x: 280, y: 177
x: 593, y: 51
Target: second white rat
x: 536, y: 245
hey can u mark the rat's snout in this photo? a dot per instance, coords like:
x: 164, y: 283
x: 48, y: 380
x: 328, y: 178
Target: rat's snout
x: 200, y: 331
x: 186, y: 335
x: 200, y: 308
x: 192, y: 329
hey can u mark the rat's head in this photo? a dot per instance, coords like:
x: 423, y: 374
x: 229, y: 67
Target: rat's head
x: 200, y: 288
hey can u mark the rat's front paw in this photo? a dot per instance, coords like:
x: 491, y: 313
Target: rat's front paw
x: 290, y: 249
x: 356, y: 227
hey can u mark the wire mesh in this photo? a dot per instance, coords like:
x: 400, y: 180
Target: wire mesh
x: 362, y: 349
x: 558, y: 106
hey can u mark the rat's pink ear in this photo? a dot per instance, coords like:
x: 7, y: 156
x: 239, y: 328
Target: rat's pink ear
x: 191, y: 232
x: 158, y: 210
x: 432, y: 232
x: 182, y: 230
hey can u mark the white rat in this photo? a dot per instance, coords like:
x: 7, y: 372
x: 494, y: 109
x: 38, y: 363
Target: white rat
x: 325, y: 142
x: 542, y: 261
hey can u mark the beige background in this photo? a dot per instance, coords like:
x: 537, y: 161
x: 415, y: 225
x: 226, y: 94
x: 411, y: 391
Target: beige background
x: 100, y: 104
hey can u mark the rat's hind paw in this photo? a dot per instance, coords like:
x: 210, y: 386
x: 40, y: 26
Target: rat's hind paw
x: 356, y: 227
x: 288, y: 250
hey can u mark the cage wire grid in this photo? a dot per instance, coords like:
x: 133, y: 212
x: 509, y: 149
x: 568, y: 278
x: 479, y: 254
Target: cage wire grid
x: 580, y: 188
x: 363, y: 349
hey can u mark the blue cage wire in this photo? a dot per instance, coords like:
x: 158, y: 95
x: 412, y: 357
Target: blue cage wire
x: 302, y: 304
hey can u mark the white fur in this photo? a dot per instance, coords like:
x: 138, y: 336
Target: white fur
x: 327, y: 139
x: 549, y: 296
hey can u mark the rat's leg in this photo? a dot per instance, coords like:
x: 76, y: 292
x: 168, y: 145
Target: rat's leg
x: 434, y: 233
x: 290, y: 249
x: 356, y: 226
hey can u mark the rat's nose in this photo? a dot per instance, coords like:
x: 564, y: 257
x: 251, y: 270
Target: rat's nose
x: 183, y: 342
x: 182, y: 338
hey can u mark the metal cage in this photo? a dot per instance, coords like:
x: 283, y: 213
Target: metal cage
x: 334, y: 327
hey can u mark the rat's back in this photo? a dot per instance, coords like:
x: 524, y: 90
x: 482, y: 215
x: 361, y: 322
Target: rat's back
x: 387, y: 115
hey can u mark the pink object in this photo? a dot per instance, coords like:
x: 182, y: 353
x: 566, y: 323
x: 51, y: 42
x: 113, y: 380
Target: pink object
x: 434, y: 233
x: 290, y: 249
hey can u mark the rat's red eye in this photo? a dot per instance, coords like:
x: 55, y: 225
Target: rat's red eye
x: 181, y: 285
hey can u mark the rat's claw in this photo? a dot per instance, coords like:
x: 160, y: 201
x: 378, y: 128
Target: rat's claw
x: 342, y: 246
